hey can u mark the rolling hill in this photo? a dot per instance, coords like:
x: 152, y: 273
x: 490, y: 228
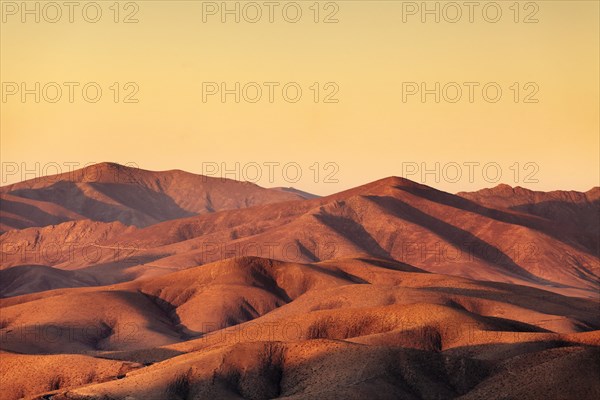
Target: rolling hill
x: 110, y: 192
x: 120, y: 283
x: 256, y: 328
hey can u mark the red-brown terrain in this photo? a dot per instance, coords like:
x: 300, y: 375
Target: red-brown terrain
x: 110, y: 192
x: 120, y: 283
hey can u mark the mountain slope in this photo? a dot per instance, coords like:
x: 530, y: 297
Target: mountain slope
x: 577, y: 213
x: 111, y: 192
x: 392, y: 218
x: 256, y: 328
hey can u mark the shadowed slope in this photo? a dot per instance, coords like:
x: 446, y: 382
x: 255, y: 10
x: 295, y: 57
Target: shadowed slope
x: 111, y: 192
x: 256, y: 328
x: 392, y: 218
x: 571, y: 214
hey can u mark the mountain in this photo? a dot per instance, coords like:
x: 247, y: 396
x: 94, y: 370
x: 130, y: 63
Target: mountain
x: 392, y: 218
x: 256, y: 328
x: 110, y: 192
x: 173, y: 286
x: 301, y: 193
x: 575, y: 212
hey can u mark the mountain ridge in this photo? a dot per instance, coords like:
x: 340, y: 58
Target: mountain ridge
x: 392, y: 217
x: 111, y: 192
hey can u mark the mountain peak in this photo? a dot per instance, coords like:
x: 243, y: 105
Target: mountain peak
x: 504, y: 188
x: 108, y: 191
x: 396, y: 181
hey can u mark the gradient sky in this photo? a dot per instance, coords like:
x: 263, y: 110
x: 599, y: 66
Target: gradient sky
x: 369, y: 133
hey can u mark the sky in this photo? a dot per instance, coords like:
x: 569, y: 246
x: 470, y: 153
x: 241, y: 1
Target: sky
x: 322, y: 96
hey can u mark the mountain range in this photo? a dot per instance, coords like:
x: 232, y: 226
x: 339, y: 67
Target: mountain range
x: 117, y: 282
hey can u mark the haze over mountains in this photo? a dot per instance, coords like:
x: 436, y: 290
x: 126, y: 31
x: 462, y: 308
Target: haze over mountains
x: 151, y: 284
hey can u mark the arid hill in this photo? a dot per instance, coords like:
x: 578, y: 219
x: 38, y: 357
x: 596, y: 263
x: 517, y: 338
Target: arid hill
x: 109, y: 192
x: 392, y: 218
x: 256, y: 328
x: 171, y: 285
x: 575, y: 212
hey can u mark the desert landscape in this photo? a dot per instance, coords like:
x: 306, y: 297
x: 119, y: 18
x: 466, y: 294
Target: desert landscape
x: 307, y: 200
x: 122, y: 283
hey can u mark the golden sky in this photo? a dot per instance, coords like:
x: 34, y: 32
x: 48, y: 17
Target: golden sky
x: 372, y: 57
